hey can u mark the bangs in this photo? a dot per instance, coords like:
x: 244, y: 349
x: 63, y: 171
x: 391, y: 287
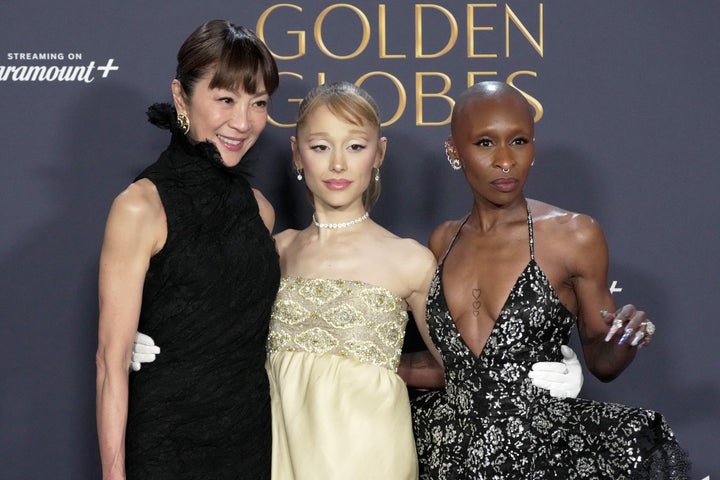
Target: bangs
x: 241, y: 64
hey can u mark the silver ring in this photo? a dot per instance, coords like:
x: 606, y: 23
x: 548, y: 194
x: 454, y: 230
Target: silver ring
x: 639, y: 335
x: 505, y: 170
x: 649, y: 328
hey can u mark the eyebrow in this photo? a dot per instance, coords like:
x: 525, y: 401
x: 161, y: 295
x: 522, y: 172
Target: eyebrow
x: 353, y: 132
x: 239, y: 90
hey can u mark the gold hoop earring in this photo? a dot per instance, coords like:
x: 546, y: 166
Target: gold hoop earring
x: 183, y: 122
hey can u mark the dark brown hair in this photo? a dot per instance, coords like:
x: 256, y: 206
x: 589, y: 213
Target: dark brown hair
x: 236, y: 53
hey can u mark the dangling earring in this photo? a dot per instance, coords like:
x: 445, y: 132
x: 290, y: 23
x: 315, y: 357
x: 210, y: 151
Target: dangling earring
x: 299, y: 173
x: 532, y: 163
x: 377, y: 175
x: 454, y: 162
x: 183, y: 122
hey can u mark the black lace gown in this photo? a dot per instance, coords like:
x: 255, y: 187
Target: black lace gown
x: 202, y: 409
x: 491, y: 423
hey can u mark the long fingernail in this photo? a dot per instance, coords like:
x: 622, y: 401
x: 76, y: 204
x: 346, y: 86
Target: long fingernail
x: 625, y: 336
x: 610, y: 334
x: 636, y: 338
x: 613, y: 330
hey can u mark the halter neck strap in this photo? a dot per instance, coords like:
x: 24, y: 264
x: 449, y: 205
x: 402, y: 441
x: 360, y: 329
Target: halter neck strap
x: 452, y: 242
x: 530, y: 231
x: 531, y: 234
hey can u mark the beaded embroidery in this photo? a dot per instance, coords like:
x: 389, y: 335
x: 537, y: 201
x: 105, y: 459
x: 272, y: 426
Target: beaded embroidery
x: 352, y: 319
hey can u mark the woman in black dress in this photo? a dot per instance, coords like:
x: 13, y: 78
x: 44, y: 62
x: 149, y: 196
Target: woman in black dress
x: 188, y: 258
x: 514, y: 276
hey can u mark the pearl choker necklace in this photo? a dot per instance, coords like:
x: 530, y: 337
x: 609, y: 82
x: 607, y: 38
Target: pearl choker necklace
x: 341, y: 224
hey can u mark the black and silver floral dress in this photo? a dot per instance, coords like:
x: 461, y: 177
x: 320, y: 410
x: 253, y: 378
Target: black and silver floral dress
x: 491, y: 423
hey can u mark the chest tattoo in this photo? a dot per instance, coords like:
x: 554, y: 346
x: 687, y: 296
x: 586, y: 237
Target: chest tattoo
x: 477, y: 303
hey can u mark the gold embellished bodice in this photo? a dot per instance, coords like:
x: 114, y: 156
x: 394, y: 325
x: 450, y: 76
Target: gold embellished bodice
x: 352, y: 319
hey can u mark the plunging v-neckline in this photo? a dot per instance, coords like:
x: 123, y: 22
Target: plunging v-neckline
x: 498, y: 320
x: 441, y: 265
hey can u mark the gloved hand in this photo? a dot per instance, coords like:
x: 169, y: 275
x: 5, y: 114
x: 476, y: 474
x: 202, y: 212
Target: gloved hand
x: 144, y: 351
x: 563, y: 379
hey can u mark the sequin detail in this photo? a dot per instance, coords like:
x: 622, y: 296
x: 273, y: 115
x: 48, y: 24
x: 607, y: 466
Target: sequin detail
x: 351, y: 319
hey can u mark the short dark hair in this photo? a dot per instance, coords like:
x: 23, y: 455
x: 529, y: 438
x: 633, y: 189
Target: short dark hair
x: 237, y: 54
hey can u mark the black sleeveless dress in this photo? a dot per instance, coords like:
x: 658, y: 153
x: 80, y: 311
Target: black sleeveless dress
x: 491, y: 423
x: 202, y: 409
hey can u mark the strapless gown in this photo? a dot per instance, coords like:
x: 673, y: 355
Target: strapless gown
x: 339, y: 410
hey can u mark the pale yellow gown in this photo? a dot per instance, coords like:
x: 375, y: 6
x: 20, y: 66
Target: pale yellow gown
x: 339, y: 410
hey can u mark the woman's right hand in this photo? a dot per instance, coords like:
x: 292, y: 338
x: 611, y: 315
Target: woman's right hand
x: 562, y: 379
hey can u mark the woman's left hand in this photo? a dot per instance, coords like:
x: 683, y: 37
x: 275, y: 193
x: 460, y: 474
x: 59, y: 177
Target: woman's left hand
x: 633, y: 326
x: 144, y: 351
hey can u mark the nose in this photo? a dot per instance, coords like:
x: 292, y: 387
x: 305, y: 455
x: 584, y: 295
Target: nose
x: 338, y: 162
x: 240, y: 119
x: 504, y: 159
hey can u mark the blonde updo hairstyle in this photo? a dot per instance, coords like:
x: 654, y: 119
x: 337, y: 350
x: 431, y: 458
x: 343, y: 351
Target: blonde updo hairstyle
x: 355, y: 106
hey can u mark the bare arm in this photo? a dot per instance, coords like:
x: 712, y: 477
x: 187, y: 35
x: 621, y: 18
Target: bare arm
x: 422, y: 369
x: 606, y: 360
x: 132, y: 235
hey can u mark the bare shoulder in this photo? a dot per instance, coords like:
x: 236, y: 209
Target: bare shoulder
x: 409, y: 256
x: 566, y: 226
x: 441, y: 236
x: 139, y: 202
x: 136, y: 221
x: 411, y: 248
x: 267, y: 212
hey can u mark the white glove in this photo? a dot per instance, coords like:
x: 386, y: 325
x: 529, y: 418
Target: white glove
x: 144, y: 351
x: 563, y: 379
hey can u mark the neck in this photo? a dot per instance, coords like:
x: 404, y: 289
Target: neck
x: 487, y: 217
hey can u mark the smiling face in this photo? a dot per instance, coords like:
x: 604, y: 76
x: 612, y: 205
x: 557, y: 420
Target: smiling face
x: 493, y: 137
x: 231, y: 119
x: 338, y: 158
